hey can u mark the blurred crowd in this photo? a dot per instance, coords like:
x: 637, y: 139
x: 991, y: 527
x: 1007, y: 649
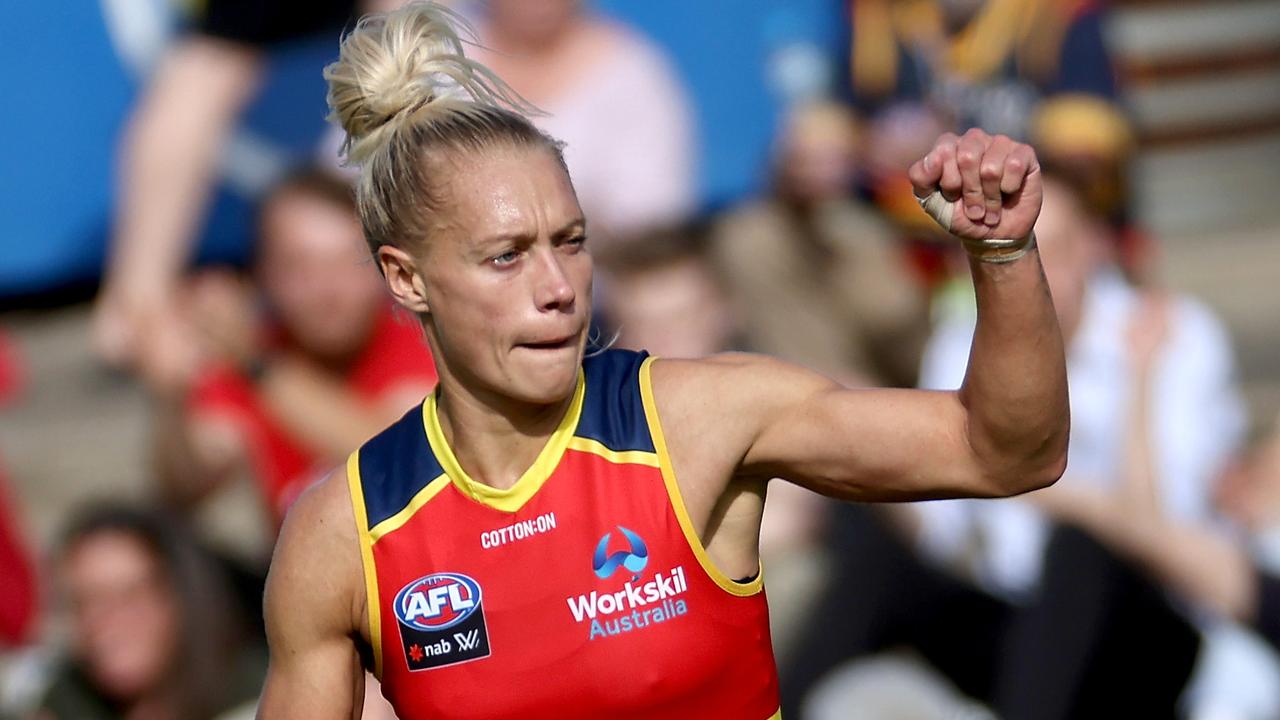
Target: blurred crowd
x: 1142, y: 585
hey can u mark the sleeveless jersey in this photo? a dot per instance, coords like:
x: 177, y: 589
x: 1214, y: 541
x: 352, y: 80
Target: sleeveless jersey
x: 582, y: 591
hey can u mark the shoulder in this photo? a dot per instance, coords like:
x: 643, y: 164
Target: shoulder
x: 324, y: 509
x: 634, y: 63
x: 627, y: 47
x: 735, y: 374
x: 733, y: 395
x: 319, y: 547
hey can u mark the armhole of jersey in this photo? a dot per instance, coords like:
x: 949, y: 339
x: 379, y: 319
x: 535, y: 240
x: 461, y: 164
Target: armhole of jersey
x: 726, y: 583
x: 366, y: 557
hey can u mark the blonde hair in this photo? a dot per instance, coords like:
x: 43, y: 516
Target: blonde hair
x: 410, y: 100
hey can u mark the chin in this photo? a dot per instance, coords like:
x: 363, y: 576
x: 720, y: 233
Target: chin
x: 546, y: 383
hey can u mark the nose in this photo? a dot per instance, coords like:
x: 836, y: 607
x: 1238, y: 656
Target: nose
x: 554, y: 291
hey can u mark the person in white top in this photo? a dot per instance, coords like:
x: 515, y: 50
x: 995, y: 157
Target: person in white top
x: 1197, y: 417
x: 1156, y: 417
x: 611, y: 95
x: 1066, y: 605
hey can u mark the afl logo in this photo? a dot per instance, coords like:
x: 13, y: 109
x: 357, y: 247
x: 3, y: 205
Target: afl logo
x: 436, y: 602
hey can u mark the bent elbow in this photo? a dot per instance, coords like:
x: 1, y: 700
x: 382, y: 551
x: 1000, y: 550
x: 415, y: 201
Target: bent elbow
x: 1030, y: 472
x: 1049, y: 473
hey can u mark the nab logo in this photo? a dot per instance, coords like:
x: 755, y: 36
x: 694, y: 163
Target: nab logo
x: 606, y: 564
x: 438, y: 601
x: 427, y: 607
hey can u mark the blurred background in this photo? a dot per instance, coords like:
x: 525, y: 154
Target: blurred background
x: 191, y: 332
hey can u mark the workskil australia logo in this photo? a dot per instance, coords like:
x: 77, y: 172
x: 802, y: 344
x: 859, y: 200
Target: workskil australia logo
x: 633, y: 559
x: 441, y: 619
x: 638, y: 605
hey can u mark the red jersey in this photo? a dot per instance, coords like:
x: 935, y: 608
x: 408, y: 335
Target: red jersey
x: 580, y: 592
x: 395, y: 354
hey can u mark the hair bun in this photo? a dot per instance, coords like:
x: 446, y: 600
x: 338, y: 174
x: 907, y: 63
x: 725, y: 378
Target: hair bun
x: 394, y: 67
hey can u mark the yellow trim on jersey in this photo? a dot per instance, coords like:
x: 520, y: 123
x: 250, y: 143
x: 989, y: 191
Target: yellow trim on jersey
x: 776, y: 716
x: 423, y: 497
x: 617, y: 457
x: 513, y: 498
x: 366, y: 555
x: 677, y: 500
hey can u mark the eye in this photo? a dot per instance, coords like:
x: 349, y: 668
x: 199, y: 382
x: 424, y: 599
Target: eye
x: 576, y: 242
x: 506, y: 258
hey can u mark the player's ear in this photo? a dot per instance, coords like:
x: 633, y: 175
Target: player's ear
x: 403, y: 279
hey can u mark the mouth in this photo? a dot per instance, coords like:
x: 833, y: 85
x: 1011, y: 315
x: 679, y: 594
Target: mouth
x: 560, y: 343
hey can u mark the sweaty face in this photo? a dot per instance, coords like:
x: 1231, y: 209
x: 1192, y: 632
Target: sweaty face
x: 508, y: 278
x: 124, y: 616
x: 315, y: 270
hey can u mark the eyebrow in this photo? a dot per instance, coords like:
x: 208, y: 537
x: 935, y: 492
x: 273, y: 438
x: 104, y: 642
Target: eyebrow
x: 573, y: 227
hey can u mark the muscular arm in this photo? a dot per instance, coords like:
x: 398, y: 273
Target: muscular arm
x: 314, y: 611
x: 1003, y: 432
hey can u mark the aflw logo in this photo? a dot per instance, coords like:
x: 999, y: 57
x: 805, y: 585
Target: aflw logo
x: 468, y: 641
x: 430, y: 605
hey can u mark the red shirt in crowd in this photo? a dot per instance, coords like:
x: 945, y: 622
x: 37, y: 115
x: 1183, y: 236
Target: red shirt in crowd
x: 17, y: 578
x: 395, y: 356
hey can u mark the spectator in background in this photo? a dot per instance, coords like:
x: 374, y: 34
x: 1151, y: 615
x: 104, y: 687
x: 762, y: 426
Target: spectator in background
x: 1238, y: 582
x: 1084, y: 138
x: 152, y: 631
x: 288, y: 396
x: 1024, y: 605
x: 1197, y: 413
x: 611, y: 95
x: 168, y: 160
x: 977, y: 63
x: 661, y: 274
x: 815, y: 276
x: 1154, y: 406
x: 920, y: 67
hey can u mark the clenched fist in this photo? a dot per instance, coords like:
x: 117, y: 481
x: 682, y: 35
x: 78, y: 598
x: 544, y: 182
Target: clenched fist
x: 985, y: 190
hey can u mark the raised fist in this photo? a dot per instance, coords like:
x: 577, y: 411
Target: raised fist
x: 985, y: 190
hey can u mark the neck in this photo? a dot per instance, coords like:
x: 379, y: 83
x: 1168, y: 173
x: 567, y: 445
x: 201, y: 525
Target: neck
x: 495, y: 439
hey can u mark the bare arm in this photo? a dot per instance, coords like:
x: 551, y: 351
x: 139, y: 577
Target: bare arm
x: 168, y: 159
x: 324, y: 413
x: 314, y: 611
x: 1003, y: 432
x: 194, y: 455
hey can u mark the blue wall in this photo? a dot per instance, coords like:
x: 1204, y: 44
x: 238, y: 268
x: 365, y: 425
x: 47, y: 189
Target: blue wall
x: 71, y: 94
